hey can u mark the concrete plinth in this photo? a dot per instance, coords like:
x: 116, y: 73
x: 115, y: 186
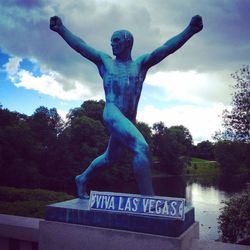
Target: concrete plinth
x: 67, y: 236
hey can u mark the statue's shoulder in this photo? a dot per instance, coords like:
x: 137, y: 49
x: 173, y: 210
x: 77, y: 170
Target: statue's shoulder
x: 105, y: 57
x: 140, y: 60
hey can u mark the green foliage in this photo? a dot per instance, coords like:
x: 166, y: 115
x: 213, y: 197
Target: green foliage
x: 146, y: 132
x: 234, y: 220
x: 172, y: 146
x: 204, y: 150
x: 84, y: 139
x: 85, y: 136
x: 41, y: 151
x: 199, y: 160
x: 237, y: 120
x: 232, y: 150
x: 26, y: 202
x: 232, y: 156
x: 16, y: 149
x: 91, y: 109
x: 21, y: 194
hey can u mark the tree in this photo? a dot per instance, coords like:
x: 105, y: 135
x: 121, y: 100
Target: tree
x: 146, y: 132
x: 17, y: 164
x: 237, y: 121
x: 172, y: 146
x: 46, y: 124
x: 232, y: 150
x: 204, y: 150
x: 90, y: 108
x: 159, y: 131
x: 183, y: 139
x: 231, y: 156
x: 45, y: 127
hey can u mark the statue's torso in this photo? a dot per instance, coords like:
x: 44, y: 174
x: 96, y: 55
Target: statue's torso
x: 122, y: 85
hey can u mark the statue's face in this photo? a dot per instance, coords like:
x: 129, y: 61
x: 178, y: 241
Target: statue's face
x: 118, y: 43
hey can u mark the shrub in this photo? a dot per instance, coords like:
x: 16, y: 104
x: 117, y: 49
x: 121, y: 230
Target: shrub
x: 234, y: 220
x: 28, y: 202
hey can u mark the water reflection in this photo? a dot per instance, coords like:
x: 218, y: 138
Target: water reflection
x: 207, y: 204
x: 170, y: 186
x: 205, y: 193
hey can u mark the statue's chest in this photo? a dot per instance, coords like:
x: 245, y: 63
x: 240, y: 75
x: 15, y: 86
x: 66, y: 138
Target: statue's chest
x: 122, y: 79
x: 123, y: 72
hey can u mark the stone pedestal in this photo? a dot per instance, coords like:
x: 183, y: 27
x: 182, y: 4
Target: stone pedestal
x: 76, y: 211
x: 71, y: 225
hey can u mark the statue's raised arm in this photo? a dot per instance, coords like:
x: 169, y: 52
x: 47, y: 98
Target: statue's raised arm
x: 75, y: 42
x: 151, y: 59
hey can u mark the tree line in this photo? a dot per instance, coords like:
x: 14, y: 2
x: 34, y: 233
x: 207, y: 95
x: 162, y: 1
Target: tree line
x: 43, y: 151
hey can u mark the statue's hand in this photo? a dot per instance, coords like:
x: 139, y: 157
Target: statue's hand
x: 55, y: 23
x: 196, y: 23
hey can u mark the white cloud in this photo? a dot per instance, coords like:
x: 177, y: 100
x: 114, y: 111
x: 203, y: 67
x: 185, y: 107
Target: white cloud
x: 190, y: 86
x: 12, y: 65
x: 195, y: 100
x: 202, y: 122
x: 50, y: 84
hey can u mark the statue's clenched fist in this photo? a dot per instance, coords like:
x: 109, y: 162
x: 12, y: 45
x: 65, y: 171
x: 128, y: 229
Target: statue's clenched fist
x: 55, y: 23
x: 196, y: 23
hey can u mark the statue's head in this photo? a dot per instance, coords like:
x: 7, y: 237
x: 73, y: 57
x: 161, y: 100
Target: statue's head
x: 121, y: 41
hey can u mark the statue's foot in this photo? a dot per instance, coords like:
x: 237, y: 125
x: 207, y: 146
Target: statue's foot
x: 81, y: 186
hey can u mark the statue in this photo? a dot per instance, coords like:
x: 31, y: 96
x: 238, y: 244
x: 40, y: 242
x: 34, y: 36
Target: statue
x: 122, y: 81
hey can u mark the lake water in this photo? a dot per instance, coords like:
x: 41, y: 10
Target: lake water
x: 205, y: 194
x: 207, y: 204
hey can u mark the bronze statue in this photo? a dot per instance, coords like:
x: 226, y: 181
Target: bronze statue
x: 122, y: 81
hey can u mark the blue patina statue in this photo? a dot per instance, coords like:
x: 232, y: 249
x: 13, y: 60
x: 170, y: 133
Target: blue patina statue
x: 122, y: 81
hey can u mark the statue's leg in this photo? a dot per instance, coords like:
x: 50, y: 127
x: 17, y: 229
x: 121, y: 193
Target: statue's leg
x: 128, y: 135
x: 108, y: 157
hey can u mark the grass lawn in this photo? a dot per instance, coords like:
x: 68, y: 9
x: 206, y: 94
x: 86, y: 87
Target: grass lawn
x: 199, y: 166
x: 28, y: 202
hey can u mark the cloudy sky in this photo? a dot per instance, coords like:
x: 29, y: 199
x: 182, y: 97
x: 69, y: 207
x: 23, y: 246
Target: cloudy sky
x: 190, y: 87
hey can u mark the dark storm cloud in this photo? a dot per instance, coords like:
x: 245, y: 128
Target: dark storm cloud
x: 224, y: 42
x: 26, y: 33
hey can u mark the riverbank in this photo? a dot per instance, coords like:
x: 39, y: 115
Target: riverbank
x: 196, y: 167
